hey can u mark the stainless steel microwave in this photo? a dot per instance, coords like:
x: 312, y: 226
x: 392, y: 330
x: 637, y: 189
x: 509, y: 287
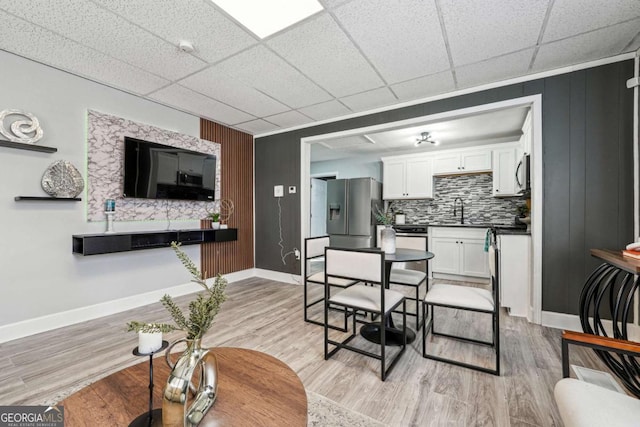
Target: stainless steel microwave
x: 523, y: 175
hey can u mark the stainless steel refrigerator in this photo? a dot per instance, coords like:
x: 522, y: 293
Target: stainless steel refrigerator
x: 350, y: 205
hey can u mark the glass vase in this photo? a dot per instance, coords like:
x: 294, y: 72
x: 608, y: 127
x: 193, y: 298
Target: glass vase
x: 388, y: 240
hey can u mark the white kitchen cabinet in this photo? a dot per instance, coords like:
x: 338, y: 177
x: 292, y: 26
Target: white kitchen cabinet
x: 515, y: 273
x: 407, y: 178
x: 462, y: 162
x: 459, y: 251
x: 527, y: 134
x: 504, y: 172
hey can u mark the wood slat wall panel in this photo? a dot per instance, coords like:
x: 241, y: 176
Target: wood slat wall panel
x: 237, y: 185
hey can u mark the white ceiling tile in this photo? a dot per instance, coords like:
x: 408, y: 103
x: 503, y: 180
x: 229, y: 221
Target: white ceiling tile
x: 33, y: 42
x: 213, y: 34
x: 570, y: 17
x: 479, y: 30
x: 371, y: 99
x: 289, y: 119
x: 586, y: 47
x: 323, y: 52
x: 325, y: 110
x: 501, y: 68
x: 260, y: 68
x: 256, y: 126
x: 402, y: 38
x: 92, y: 26
x: 226, y: 89
x: 200, y: 105
x: 424, y: 86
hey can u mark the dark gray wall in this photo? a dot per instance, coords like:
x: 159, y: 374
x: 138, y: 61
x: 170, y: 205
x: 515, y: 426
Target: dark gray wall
x: 588, y: 173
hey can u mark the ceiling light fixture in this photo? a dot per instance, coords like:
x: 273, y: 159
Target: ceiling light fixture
x: 426, y: 137
x: 266, y: 17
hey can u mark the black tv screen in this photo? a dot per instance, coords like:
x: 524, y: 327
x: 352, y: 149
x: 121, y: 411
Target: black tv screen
x: 157, y: 171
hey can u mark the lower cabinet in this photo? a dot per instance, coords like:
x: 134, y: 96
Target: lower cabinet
x: 459, y: 251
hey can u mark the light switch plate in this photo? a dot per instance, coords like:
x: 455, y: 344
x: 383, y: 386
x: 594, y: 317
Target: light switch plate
x: 292, y: 189
x: 278, y: 191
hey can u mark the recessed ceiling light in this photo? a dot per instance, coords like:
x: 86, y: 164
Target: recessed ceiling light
x: 265, y: 17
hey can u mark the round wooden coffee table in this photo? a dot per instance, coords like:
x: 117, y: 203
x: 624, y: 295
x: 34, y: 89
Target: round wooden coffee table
x: 253, y: 389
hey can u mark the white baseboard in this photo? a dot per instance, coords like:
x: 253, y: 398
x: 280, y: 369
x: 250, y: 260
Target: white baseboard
x: 278, y: 276
x: 571, y: 322
x: 57, y: 320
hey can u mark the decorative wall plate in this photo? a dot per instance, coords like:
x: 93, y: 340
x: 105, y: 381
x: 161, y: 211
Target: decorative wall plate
x: 62, y: 179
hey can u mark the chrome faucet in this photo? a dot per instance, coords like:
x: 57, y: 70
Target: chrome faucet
x: 455, y: 203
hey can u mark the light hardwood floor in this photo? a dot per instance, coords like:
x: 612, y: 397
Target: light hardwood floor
x: 267, y: 316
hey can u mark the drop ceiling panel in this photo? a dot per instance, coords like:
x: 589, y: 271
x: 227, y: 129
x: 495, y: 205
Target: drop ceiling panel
x: 226, y: 89
x: 256, y: 126
x: 402, y: 39
x: 94, y: 27
x: 503, y: 67
x: 371, y: 99
x: 424, y: 86
x: 34, y: 42
x: 213, y: 34
x: 325, y: 110
x: 323, y: 52
x: 261, y: 68
x: 479, y: 30
x: 594, y: 45
x: 198, y: 104
x: 288, y: 119
x: 569, y: 18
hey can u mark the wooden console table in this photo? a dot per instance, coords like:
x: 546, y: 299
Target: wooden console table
x: 253, y: 389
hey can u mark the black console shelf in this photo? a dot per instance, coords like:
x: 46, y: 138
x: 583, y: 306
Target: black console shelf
x: 96, y: 244
x: 46, y: 199
x: 25, y: 146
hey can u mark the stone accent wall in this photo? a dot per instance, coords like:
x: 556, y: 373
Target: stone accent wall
x: 476, y: 192
x: 105, y: 170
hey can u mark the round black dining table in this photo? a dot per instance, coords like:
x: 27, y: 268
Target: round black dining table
x: 393, y: 335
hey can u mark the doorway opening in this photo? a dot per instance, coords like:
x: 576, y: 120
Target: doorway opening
x: 318, y: 203
x: 534, y: 103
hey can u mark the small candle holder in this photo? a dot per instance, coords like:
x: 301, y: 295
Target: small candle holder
x: 153, y: 417
x: 109, y: 211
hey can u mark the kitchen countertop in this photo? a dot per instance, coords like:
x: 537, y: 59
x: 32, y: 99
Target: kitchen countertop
x: 500, y: 228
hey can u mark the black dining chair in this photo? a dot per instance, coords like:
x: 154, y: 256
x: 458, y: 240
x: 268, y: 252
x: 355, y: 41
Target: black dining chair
x: 362, y: 265
x: 471, y: 299
x: 314, y: 277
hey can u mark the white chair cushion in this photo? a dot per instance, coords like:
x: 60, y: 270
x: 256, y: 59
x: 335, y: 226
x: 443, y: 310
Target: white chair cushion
x: 407, y: 277
x: 584, y: 405
x: 335, y: 281
x: 460, y: 296
x: 367, y: 298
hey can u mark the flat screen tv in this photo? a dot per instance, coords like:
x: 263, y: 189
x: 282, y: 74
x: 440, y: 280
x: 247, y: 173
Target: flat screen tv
x: 157, y: 171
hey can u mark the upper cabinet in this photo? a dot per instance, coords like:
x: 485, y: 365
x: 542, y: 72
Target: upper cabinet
x: 504, y: 171
x: 462, y: 162
x: 527, y: 134
x: 407, y: 178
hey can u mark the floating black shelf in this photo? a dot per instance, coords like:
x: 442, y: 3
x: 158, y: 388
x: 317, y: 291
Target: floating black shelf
x: 30, y: 147
x: 46, y: 198
x: 95, y: 244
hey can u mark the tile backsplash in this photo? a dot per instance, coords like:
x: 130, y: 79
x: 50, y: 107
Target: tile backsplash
x: 476, y: 192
